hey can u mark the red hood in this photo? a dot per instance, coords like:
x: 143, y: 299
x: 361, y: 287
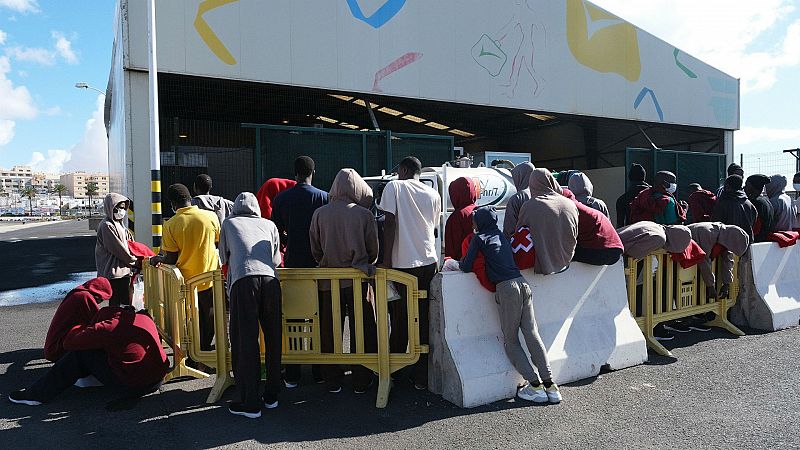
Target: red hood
x: 140, y: 250
x: 463, y: 192
x: 269, y: 190
x: 99, y: 287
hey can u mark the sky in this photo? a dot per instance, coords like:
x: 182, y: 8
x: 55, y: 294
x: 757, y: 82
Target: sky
x: 46, y: 46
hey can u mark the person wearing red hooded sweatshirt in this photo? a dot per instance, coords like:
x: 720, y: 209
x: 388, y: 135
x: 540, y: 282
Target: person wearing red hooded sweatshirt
x: 78, y: 308
x: 658, y: 204
x: 463, y: 195
x: 121, y: 348
x: 701, y: 204
x: 598, y: 243
x: 268, y: 191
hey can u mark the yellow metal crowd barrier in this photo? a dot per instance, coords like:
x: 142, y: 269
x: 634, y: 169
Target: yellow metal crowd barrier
x: 176, y: 311
x: 670, y: 292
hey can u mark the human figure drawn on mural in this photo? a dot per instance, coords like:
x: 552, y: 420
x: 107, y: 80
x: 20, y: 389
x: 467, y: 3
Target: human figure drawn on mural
x: 512, y: 48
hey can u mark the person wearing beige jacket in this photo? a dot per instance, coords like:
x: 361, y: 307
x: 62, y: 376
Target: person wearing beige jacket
x: 112, y: 256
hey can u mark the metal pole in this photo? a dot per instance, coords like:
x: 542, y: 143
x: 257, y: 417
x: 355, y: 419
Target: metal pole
x: 155, y: 151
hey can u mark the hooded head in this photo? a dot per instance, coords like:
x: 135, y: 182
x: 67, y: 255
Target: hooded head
x: 349, y: 187
x: 733, y: 238
x: 541, y: 182
x: 246, y: 204
x: 754, y: 185
x: 734, y: 183
x: 520, y: 174
x: 485, y: 219
x: 678, y: 238
x: 636, y: 173
x: 581, y: 186
x: 776, y: 185
x: 111, y: 201
x: 735, y: 169
x: 463, y: 192
x: 99, y: 287
x: 275, y: 186
x: 663, y: 180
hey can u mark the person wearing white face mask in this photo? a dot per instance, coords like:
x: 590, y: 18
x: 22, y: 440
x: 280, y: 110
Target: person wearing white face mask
x: 113, y: 258
x: 658, y: 204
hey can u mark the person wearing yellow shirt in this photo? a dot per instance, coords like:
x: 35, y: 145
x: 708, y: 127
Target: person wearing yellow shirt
x: 189, y: 242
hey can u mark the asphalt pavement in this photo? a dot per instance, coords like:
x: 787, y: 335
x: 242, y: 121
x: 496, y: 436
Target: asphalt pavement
x: 717, y: 392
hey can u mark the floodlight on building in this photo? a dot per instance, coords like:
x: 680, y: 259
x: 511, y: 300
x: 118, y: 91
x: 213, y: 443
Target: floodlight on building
x: 414, y: 119
x: 437, y: 125
x: 360, y: 102
x: 327, y: 119
x: 542, y: 117
x: 461, y: 132
x: 82, y: 85
x: 345, y: 98
x: 390, y: 111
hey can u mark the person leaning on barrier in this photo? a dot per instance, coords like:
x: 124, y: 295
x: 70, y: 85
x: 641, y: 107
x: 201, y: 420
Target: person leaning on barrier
x: 733, y: 207
x: 78, y: 308
x: 463, y: 195
x: 344, y: 234
x: 553, y: 223
x: 765, y: 222
x: 582, y: 189
x: 636, y: 175
x: 189, y: 242
x: 598, y: 243
x: 411, y: 210
x: 113, y: 258
x: 250, y: 246
x: 221, y: 207
x: 781, y: 203
x: 520, y: 175
x: 514, y: 298
x: 727, y: 240
x: 658, y: 203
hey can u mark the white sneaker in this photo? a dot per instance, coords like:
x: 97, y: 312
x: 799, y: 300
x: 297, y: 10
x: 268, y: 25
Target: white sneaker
x: 553, y: 394
x: 87, y: 382
x: 532, y: 394
x: 289, y: 384
x: 272, y: 405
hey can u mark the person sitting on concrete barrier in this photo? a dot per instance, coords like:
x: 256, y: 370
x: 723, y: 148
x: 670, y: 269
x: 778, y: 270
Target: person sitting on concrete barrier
x: 598, y: 243
x: 719, y: 241
x: 463, y: 195
x: 553, y: 223
x: 411, y: 212
x: 658, y: 204
x: 701, y: 204
x: 268, y: 191
x: 344, y: 234
x: 765, y: 222
x: 636, y: 175
x: 113, y: 259
x: 292, y: 210
x: 733, y: 169
x: 514, y: 298
x: 582, y: 188
x: 189, y: 242
x: 221, y: 207
x: 78, y: 308
x: 782, y: 205
x: 250, y: 246
x: 121, y: 348
x: 520, y: 174
x: 733, y: 207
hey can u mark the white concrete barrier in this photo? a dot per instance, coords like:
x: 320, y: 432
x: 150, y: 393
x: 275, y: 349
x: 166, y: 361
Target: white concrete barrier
x: 769, y: 298
x: 583, y: 319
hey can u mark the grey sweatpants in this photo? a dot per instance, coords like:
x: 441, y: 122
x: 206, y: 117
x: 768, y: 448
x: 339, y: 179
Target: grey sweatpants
x: 516, y: 313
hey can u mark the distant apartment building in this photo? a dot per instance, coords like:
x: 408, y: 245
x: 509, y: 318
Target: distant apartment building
x: 15, y: 179
x: 76, y: 183
x: 44, y: 182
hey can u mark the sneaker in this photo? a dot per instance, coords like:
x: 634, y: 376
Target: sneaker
x: 22, y: 398
x: 269, y: 405
x: 238, y: 409
x: 662, y: 335
x: 87, y: 382
x: 698, y: 326
x: 532, y: 394
x: 290, y: 384
x: 417, y: 386
x: 334, y: 389
x: 361, y: 390
x: 677, y: 327
x: 553, y: 394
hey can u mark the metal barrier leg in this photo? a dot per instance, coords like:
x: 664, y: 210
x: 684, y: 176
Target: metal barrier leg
x: 382, y: 317
x: 224, y: 377
x: 653, y: 343
x: 721, y: 320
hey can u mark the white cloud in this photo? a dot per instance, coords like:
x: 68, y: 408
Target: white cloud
x: 3, y: 36
x: 726, y: 35
x: 23, y: 6
x: 754, y: 135
x: 52, y: 163
x: 6, y: 131
x: 64, y: 48
x: 32, y: 54
x: 15, y: 101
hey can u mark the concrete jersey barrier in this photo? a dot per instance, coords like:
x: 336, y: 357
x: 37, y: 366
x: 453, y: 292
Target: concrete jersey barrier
x: 583, y: 319
x: 770, y: 295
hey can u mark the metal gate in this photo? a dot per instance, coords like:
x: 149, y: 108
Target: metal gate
x: 708, y: 169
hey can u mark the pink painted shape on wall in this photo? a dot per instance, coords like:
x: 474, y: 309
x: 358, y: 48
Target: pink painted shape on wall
x: 394, y: 66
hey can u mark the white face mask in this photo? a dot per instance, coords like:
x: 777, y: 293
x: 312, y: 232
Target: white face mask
x: 796, y: 187
x: 119, y: 214
x: 672, y: 188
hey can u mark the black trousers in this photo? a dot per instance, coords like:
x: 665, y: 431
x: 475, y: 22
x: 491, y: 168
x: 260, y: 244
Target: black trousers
x: 121, y: 291
x: 597, y: 256
x: 398, y: 310
x: 333, y: 373
x: 79, y: 364
x: 205, y: 307
x: 256, y: 301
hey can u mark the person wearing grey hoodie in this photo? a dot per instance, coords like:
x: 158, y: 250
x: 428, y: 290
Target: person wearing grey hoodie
x: 519, y: 175
x: 732, y: 238
x: 112, y: 256
x: 203, y: 199
x: 781, y: 203
x: 582, y: 187
x: 344, y: 234
x: 250, y: 246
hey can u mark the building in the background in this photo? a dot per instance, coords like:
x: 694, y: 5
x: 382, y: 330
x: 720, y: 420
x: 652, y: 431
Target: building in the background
x: 45, y: 182
x: 16, y: 178
x: 76, y: 183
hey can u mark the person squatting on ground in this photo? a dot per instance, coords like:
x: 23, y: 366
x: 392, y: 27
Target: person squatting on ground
x: 189, y: 242
x: 733, y: 207
x: 765, y: 222
x: 636, y: 175
x: 203, y: 199
x: 463, y: 195
x: 658, y: 204
x: 411, y: 211
x: 726, y: 240
x: 292, y: 210
x: 782, y: 204
x: 121, y: 348
x: 514, y: 299
x: 520, y: 174
x: 582, y: 189
x: 113, y: 259
x: 597, y: 243
x: 78, y: 308
x: 250, y: 246
x: 553, y: 223
x: 344, y: 234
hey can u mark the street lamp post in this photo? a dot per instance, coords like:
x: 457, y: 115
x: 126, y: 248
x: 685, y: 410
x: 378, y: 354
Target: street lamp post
x: 82, y: 85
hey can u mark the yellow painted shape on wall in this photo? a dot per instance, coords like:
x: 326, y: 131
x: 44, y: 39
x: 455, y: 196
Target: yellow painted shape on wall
x: 207, y: 34
x: 602, y: 41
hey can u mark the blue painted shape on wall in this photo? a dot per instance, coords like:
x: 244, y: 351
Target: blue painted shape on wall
x: 644, y: 92
x: 381, y: 16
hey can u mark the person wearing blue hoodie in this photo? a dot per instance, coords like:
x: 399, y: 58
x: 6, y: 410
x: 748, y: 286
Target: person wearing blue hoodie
x: 516, y: 308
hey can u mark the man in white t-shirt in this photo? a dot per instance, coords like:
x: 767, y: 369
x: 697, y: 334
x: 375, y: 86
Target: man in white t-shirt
x: 412, y: 212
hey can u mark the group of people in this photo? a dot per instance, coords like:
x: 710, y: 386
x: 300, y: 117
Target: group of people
x: 292, y: 224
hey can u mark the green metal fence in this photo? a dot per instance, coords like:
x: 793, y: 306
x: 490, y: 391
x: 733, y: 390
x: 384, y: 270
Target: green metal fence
x: 708, y: 169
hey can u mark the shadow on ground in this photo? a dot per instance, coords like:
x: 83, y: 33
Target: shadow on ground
x: 32, y: 263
